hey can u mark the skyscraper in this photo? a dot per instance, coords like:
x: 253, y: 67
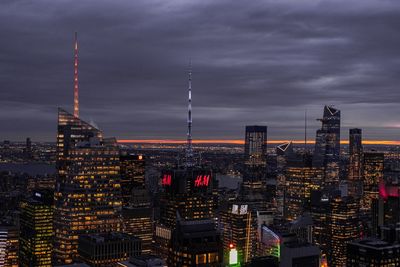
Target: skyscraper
x: 355, y: 163
x: 239, y: 230
x: 344, y: 227
x: 300, y: 182
x: 327, y: 145
x: 36, y: 230
x: 9, y: 245
x: 189, y: 190
x: 132, y: 175
x: 87, y: 185
x: 138, y: 218
x: 255, y: 147
x: 284, y: 155
x: 373, y: 174
x: 137, y: 212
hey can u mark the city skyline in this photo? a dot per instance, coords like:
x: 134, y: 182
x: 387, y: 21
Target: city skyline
x: 247, y: 69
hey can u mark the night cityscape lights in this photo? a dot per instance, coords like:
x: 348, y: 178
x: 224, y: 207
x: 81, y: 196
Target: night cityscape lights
x: 209, y: 103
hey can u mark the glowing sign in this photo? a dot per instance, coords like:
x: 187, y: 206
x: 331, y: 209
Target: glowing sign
x: 240, y: 210
x: 388, y: 191
x: 166, y: 180
x: 202, y: 180
x: 235, y: 209
x: 233, y: 256
x: 243, y: 209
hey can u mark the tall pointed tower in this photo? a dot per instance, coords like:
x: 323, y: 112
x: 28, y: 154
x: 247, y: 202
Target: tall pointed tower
x: 76, y: 86
x: 189, y: 149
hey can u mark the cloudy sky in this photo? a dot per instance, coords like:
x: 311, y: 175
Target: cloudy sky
x: 254, y: 62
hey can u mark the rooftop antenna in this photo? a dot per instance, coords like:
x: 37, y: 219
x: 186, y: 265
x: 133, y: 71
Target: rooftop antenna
x: 76, y: 88
x: 305, y: 131
x: 189, y: 148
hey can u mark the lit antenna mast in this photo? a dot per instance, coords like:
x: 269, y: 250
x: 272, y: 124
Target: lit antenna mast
x: 189, y: 149
x: 76, y: 88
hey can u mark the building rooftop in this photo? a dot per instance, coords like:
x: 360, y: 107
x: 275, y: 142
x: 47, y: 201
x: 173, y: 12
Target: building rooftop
x: 374, y: 243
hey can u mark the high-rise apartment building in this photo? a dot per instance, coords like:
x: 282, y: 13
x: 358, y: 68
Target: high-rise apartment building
x: 36, y: 230
x: 87, y: 193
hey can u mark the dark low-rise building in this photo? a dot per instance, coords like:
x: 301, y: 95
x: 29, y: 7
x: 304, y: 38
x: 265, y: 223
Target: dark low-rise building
x: 99, y: 250
x: 372, y: 252
x: 195, y: 243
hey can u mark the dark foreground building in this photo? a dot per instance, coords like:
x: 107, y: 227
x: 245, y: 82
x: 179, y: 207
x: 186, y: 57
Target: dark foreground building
x: 195, y: 243
x: 100, y: 250
x: 372, y: 252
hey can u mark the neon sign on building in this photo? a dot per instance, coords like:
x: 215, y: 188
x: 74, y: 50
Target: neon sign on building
x: 202, y: 180
x: 166, y: 180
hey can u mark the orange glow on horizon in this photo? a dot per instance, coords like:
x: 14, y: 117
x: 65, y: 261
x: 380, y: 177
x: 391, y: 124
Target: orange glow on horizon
x: 241, y: 142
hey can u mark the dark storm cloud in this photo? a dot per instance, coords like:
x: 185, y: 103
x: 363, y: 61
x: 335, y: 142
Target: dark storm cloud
x: 261, y: 62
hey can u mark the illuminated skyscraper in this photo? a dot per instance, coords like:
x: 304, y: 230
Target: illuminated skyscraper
x: 255, y: 147
x: 189, y: 190
x: 373, y: 174
x: 327, y: 145
x: 300, y: 181
x: 87, y: 193
x: 36, y: 230
x: 355, y: 163
x: 344, y: 227
x: 9, y: 245
x: 239, y: 230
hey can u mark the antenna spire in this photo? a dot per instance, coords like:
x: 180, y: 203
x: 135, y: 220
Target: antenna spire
x: 76, y: 87
x: 305, y: 130
x: 189, y: 149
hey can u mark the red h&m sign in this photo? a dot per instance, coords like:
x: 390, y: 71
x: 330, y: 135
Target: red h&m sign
x: 166, y: 180
x: 202, y: 180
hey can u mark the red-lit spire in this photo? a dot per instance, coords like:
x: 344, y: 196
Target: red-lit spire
x: 76, y: 87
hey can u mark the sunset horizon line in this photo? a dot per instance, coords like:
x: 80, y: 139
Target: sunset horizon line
x: 241, y: 142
